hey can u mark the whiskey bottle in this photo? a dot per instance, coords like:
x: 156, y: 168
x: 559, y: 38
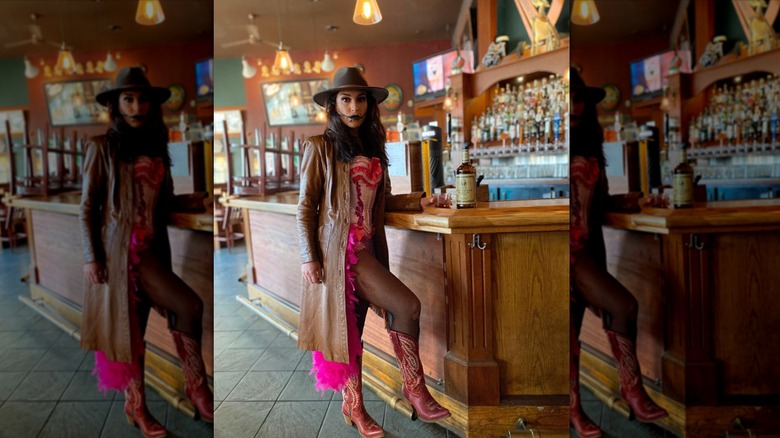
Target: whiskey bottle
x: 466, y: 183
x: 683, y: 183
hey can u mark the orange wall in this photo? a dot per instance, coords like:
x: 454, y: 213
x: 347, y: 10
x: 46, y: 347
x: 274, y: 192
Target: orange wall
x: 609, y: 63
x: 166, y: 65
x: 383, y: 65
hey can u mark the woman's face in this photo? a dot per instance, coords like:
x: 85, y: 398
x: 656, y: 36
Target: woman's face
x: 577, y: 108
x: 134, y: 107
x: 352, y: 106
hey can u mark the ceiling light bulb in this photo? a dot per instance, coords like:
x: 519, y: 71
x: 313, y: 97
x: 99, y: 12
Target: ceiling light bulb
x: 30, y: 71
x: 109, y: 64
x: 327, y: 63
x: 249, y: 70
x: 584, y: 12
x: 366, y: 12
x: 149, y: 12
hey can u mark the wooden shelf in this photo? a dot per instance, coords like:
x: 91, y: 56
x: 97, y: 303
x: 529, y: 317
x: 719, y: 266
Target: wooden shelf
x: 766, y: 61
x: 556, y: 61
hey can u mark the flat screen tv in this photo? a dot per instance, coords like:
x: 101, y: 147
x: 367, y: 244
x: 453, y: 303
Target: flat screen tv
x: 204, y: 80
x: 648, y: 75
x: 431, y: 73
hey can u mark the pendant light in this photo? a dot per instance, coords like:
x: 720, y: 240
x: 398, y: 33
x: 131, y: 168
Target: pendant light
x: 248, y: 71
x: 366, y: 12
x: 149, y: 12
x: 327, y: 63
x: 65, y: 61
x: 584, y: 12
x: 30, y: 70
x: 109, y: 64
x: 283, y: 62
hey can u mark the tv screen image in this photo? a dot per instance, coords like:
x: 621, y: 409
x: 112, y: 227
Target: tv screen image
x: 648, y: 75
x: 431, y: 73
x: 204, y: 79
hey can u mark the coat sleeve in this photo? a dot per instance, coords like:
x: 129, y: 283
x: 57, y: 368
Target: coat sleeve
x: 93, y: 196
x: 312, y: 181
x: 404, y: 202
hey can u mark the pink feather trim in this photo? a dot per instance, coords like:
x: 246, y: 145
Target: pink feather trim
x: 114, y: 375
x: 334, y: 375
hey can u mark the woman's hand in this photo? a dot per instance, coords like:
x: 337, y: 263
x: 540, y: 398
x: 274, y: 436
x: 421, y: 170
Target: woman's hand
x: 95, y: 272
x: 427, y: 201
x: 312, y: 272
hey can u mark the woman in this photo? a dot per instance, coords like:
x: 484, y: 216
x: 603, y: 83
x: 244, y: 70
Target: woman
x: 127, y: 191
x: 345, y: 190
x: 592, y: 285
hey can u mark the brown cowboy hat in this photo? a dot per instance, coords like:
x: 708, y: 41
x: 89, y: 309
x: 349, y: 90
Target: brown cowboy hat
x: 589, y: 94
x: 133, y: 79
x: 350, y: 78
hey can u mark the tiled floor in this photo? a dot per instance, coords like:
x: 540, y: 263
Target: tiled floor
x: 263, y: 387
x: 46, y: 385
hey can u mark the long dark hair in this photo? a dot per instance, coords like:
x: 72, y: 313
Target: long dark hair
x: 371, y: 132
x: 587, y: 138
x: 150, y: 140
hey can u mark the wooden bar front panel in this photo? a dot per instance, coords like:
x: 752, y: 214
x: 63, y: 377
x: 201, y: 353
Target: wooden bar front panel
x: 276, y: 254
x: 59, y: 260
x: 531, y: 312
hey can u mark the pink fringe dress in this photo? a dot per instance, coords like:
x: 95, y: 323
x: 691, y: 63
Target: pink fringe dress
x: 365, y: 176
x: 148, y: 174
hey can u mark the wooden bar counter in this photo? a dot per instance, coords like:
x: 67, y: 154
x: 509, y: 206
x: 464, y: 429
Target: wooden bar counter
x: 707, y: 282
x: 493, y: 282
x: 56, y: 279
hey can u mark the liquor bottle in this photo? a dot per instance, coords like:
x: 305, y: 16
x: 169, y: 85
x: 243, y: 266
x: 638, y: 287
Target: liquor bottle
x: 683, y: 183
x: 466, y: 183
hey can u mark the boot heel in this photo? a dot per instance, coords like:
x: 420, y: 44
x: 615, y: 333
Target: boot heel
x: 130, y: 420
x: 347, y: 420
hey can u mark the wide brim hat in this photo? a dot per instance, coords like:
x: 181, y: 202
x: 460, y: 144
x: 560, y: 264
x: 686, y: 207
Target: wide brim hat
x: 350, y: 78
x: 589, y: 94
x: 133, y: 79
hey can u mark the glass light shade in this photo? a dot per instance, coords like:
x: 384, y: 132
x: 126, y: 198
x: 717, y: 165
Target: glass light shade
x: 327, y: 63
x: 30, y: 71
x: 249, y: 70
x: 65, y: 61
x: 366, y: 12
x: 283, y: 61
x: 584, y: 12
x: 109, y: 64
x: 149, y: 12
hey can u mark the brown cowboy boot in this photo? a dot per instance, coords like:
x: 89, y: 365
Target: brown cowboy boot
x: 196, y: 386
x: 137, y: 412
x: 584, y: 426
x: 353, y: 409
x: 407, y: 351
x: 631, y: 388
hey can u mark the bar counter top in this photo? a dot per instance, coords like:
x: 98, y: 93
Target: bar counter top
x: 68, y: 203
x: 706, y: 217
x: 503, y: 216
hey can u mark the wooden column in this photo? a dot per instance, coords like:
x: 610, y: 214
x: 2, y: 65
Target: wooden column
x: 487, y: 25
x: 688, y: 367
x: 470, y: 370
x: 704, y: 26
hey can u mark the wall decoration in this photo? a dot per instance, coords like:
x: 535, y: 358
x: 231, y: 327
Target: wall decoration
x: 394, y: 99
x: 611, y: 99
x: 73, y: 103
x: 176, y: 101
x: 291, y: 103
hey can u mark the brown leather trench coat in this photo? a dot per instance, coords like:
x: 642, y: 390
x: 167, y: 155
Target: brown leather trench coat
x: 106, y: 223
x: 323, y: 227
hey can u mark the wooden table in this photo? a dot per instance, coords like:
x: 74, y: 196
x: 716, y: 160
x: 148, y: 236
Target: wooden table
x: 493, y: 283
x: 57, y: 281
x: 707, y: 280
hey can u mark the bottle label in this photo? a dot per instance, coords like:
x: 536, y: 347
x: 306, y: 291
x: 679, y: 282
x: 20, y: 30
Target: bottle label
x: 465, y: 189
x: 683, y: 190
